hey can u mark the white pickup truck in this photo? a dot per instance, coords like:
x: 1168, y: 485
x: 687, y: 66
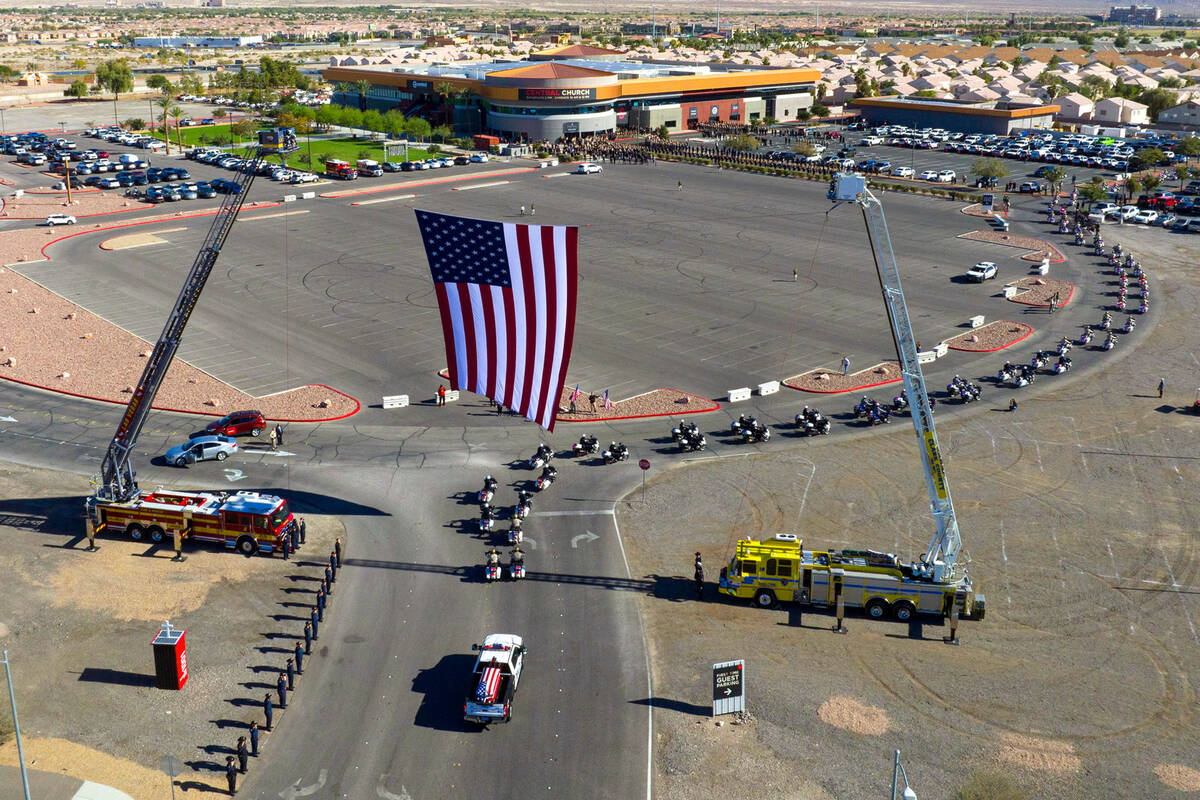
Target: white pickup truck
x: 494, y: 679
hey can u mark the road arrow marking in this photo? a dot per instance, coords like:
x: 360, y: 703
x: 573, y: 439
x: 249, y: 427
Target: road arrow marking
x: 296, y: 790
x: 531, y: 542
x: 587, y: 537
x: 232, y: 475
x: 386, y: 795
x: 273, y: 452
x: 7, y: 419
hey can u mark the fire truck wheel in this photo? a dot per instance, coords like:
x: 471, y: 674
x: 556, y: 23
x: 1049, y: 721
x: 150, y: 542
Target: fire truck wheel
x: 221, y: 456
x: 155, y: 533
x: 903, y: 610
x: 876, y: 608
x: 247, y: 546
x: 765, y: 598
x: 135, y: 532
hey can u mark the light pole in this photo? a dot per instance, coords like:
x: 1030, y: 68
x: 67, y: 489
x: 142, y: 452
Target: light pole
x: 12, y: 699
x: 897, y: 772
x: 2, y: 125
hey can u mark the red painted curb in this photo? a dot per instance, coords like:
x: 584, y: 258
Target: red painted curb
x: 357, y: 405
x: 843, y: 391
x: 1070, y: 294
x: 715, y: 407
x: 994, y: 349
x: 394, y: 187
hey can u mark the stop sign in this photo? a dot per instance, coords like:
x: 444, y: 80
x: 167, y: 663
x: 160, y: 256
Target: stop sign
x: 644, y: 463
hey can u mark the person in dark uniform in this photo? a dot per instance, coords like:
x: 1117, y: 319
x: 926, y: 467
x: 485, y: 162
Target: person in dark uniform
x: 699, y: 578
x: 243, y: 755
x: 325, y: 587
x: 316, y: 628
x: 308, y: 633
x: 291, y: 675
x: 268, y: 710
x: 254, y: 739
x: 301, y: 527
x: 329, y: 581
x: 337, y: 548
x: 299, y: 659
x: 281, y: 688
x: 231, y: 775
x: 278, y: 433
x: 320, y: 605
x: 286, y: 545
x: 333, y: 563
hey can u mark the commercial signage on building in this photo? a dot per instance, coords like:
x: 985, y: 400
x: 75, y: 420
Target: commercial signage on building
x: 556, y: 94
x: 418, y: 84
x: 570, y: 127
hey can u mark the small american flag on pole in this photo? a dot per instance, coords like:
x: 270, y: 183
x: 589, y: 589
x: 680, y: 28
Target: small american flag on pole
x: 506, y: 293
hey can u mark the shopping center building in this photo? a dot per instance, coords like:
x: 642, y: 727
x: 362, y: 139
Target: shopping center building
x: 955, y: 115
x: 579, y: 90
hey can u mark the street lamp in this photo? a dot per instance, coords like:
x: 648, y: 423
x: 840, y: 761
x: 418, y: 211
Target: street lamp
x: 12, y: 699
x: 897, y: 772
x: 2, y: 125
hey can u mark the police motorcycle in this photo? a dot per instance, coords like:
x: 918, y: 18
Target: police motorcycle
x: 1128, y: 327
x: 684, y: 429
x: 1078, y: 237
x: 1062, y: 365
x: 541, y: 457
x: 587, y: 445
x: 1087, y: 335
x: 692, y: 440
x: 880, y: 415
x: 743, y: 421
x: 813, y: 423
x: 523, y: 505
x: 491, y: 567
x: 1064, y: 346
x: 1106, y: 321
x: 865, y: 406
x: 1110, y: 342
x: 487, y: 518
x: 617, y: 451
x: 514, y: 531
x: 1143, y: 307
x: 899, y: 402
x: 548, y: 476
x: 516, y: 564
x: 758, y: 432
x: 1040, y: 359
x: 488, y: 492
x: 969, y: 392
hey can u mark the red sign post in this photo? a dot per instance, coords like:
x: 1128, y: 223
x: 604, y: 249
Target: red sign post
x: 645, y: 465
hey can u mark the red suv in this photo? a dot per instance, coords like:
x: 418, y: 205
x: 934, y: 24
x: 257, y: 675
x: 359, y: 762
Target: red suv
x: 238, y: 423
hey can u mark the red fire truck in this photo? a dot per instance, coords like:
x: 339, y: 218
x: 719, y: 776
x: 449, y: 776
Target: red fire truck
x: 342, y: 170
x: 248, y: 521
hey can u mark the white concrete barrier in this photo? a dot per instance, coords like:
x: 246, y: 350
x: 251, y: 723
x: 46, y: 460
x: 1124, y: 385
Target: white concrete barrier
x: 1010, y: 291
x: 926, y: 357
x: 738, y: 395
x: 1043, y: 269
x: 451, y: 395
x: 289, y: 198
x: 770, y: 387
x: 308, y: 195
x: 941, y: 349
x: 395, y: 401
x: 976, y: 321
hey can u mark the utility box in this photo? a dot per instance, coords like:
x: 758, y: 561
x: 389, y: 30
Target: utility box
x: 170, y: 658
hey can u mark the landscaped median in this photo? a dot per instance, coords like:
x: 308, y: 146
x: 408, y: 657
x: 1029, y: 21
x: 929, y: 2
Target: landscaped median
x: 825, y: 381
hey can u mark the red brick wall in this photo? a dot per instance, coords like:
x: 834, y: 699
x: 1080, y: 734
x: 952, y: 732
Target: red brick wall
x: 704, y: 110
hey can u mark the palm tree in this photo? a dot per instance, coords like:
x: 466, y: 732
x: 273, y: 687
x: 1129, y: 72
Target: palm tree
x: 362, y: 87
x: 176, y: 112
x: 165, y: 104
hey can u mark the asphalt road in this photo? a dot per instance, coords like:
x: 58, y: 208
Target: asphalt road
x: 702, y: 277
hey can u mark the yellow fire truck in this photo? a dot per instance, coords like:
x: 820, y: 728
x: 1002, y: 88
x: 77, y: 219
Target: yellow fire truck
x: 247, y: 521
x: 781, y: 570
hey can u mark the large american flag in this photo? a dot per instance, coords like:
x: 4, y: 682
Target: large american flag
x: 506, y: 293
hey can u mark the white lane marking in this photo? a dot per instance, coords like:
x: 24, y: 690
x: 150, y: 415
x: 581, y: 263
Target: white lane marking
x: 480, y: 186
x: 232, y: 475
x: 1112, y: 559
x: 386, y: 795
x: 296, y: 790
x: 585, y: 537
x: 1178, y: 591
x: 649, y: 681
x: 1004, y: 555
x: 804, y: 495
x: 605, y: 512
x: 384, y: 200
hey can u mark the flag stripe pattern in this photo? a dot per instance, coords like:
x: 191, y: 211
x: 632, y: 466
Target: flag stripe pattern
x: 489, y: 685
x: 506, y: 294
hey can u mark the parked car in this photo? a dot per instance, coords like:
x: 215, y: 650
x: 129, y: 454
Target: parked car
x: 1146, y: 216
x: 1127, y: 213
x: 947, y: 176
x: 479, y: 158
x: 902, y: 172
x: 929, y: 175
x: 390, y: 166
x: 202, y: 448
x: 589, y: 168
x: 60, y: 219
x: 238, y: 423
x: 983, y: 271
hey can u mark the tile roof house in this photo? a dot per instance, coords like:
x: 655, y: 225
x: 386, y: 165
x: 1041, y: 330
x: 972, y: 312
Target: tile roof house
x: 1074, y: 106
x: 1119, y: 110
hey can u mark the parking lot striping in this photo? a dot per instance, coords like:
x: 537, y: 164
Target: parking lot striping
x: 557, y: 175
x: 600, y: 512
x: 1178, y: 590
x: 1004, y: 555
x: 479, y: 186
x: 383, y: 200
x: 272, y: 216
x: 429, y: 182
x: 1112, y: 559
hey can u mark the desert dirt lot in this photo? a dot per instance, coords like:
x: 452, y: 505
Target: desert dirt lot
x: 78, y: 626
x: 1078, y: 512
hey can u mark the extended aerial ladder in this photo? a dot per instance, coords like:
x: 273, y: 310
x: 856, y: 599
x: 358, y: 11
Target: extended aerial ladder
x: 940, y: 563
x: 116, y: 482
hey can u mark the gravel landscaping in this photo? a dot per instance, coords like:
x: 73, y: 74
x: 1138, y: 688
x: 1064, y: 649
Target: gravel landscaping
x: 976, y: 210
x: 83, y: 204
x: 658, y: 403
x: 1038, y: 291
x: 49, y: 342
x: 1038, y: 248
x: 832, y: 382
x: 993, y: 336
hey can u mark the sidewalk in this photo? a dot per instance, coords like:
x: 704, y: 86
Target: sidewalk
x: 50, y: 786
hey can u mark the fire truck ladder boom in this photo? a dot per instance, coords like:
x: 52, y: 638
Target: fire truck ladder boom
x: 946, y: 542
x: 116, y: 481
